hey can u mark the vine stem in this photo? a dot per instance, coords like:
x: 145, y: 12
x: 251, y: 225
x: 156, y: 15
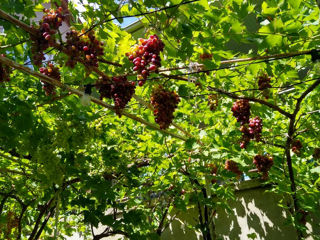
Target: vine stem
x: 54, y: 82
x: 291, y: 132
x: 268, y: 104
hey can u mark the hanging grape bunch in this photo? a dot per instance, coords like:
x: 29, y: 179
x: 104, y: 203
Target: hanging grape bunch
x: 232, y: 166
x: 263, y: 164
x: 146, y: 57
x: 53, y: 72
x: 84, y: 47
x: 45, y: 38
x: 4, y: 72
x: 251, y: 131
x: 120, y: 90
x: 213, y: 102
x: 241, y: 110
x: 104, y: 88
x: 296, y: 146
x: 164, y: 103
x: 264, y: 83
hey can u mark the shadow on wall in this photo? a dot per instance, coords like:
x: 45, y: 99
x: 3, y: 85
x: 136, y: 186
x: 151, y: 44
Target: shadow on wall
x: 179, y: 229
x: 254, y: 215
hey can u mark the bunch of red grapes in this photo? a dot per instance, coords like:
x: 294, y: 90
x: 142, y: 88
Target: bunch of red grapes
x: 232, y: 166
x: 53, y: 72
x: 104, y: 88
x: 84, y: 47
x: 45, y: 38
x: 120, y: 90
x: 296, y: 146
x: 164, y: 103
x: 213, y: 102
x: 4, y: 72
x: 241, y: 110
x: 252, y: 131
x: 146, y: 57
x: 263, y: 163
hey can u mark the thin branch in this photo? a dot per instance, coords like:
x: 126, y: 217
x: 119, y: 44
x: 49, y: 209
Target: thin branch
x: 54, y: 82
x: 14, y: 44
x: 138, y: 15
x: 23, y: 210
x: 44, y: 223
x: 42, y: 212
x: 17, y: 22
x: 164, y: 216
x: 252, y: 99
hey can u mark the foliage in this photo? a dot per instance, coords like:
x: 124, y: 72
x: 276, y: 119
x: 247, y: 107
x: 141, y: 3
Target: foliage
x: 65, y: 166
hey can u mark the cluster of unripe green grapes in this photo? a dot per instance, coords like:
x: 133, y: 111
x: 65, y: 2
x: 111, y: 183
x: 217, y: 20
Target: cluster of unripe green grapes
x: 146, y: 57
x: 49, y: 25
x: 53, y: 72
x: 213, y: 101
x: 164, y: 102
x: 83, y: 46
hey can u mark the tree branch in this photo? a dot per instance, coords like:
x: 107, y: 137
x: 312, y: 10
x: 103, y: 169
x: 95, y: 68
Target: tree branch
x: 54, y: 82
x: 252, y: 99
x: 17, y: 22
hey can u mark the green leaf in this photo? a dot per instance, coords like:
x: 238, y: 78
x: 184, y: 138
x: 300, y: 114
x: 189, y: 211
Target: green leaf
x: 295, y: 4
x: 189, y: 143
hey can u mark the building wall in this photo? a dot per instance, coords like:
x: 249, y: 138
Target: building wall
x: 255, y: 214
